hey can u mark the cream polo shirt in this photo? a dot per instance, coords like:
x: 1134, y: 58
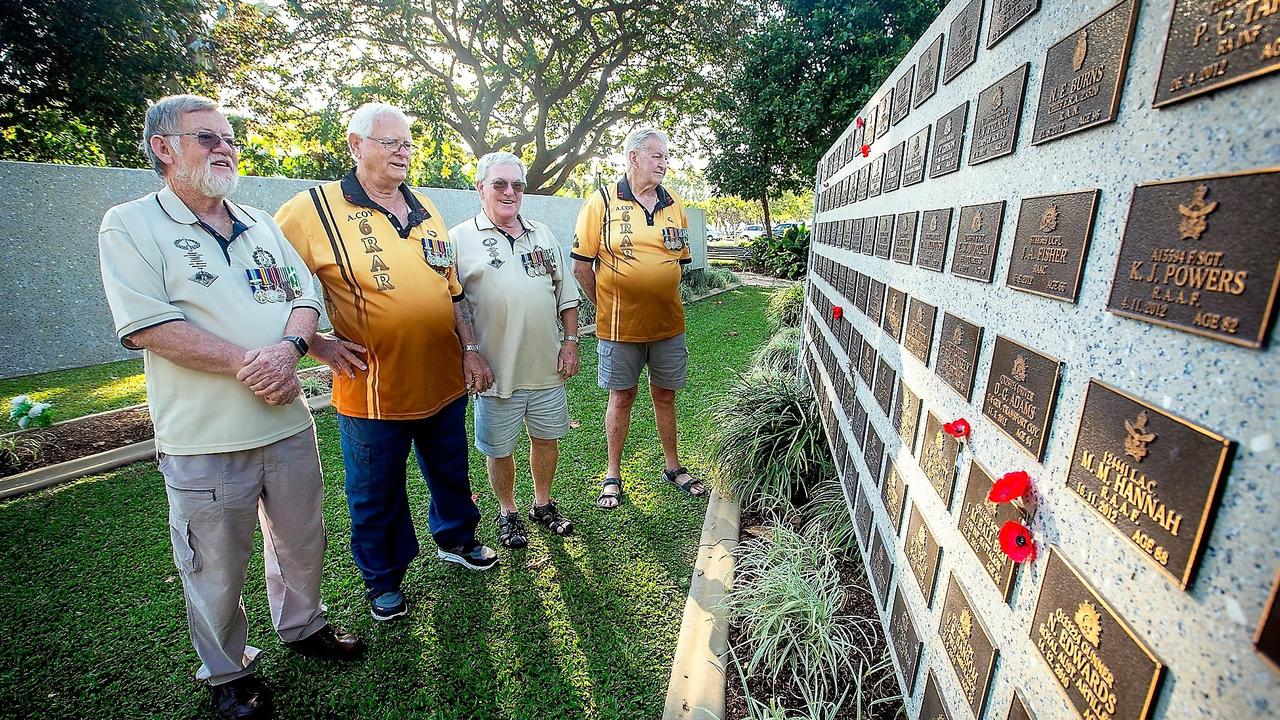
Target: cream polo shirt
x: 158, y: 265
x: 518, y: 287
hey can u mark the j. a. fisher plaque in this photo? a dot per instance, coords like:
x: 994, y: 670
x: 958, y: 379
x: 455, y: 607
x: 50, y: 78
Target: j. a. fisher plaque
x: 968, y: 646
x: 904, y: 639
x: 948, y: 140
x: 894, y: 495
x: 934, y: 230
x: 918, y: 334
x: 906, y: 415
x: 881, y: 567
x: 931, y: 706
x: 875, y: 181
x: 893, y: 168
x: 938, y: 453
x: 1267, y: 638
x: 927, y: 72
x: 923, y: 554
x: 996, y: 117
x: 1153, y: 476
x: 886, y: 378
x: 913, y: 159
x: 884, y: 236
x: 980, y: 523
x: 882, y: 118
x: 1051, y: 242
x: 1200, y: 255
x: 875, y: 301
x: 904, y: 237
x: 958, y: 354
x: 1101, y: 666
x: 1215, y: 44
x: 869, y: 235
x: 902, y: 95
x: 1083, y: 73
x: 864, y: 183
x: 962, y: 48
x: 895, y: 309
x: 862, y: 518
x: 867, y: 362
x: 1007, y: 15
x: 1022, y: 388
x: 873, y: 454
x: 977, y: 238
x: 1018, y: 709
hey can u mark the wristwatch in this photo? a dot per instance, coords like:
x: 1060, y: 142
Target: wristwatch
x: 471, y: 347
x: 298, y: 344
x: 571, y: 338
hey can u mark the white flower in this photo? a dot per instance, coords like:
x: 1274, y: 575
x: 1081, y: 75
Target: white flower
x: 22, y: 421
x: 38, y: 409
x: 19, y: 400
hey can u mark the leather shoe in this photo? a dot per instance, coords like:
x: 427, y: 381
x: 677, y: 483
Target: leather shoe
x: 244, y: 698
x: 329, y: 642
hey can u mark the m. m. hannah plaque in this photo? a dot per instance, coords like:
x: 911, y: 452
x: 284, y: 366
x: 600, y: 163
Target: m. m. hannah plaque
x: 938, y: 453
x: 906, y: 416
x: 1152, y: 476
x: 1007, y: 15
x: 894, y: 495
x: 934, y: 230
x: 1199, y: 255
x: 1083, y: 74
x: 904, y: 237
x: 968, y: 646
x: 904, y: 639
x: 996, y: 117
x: 977, y: 238
x: 918, y: 334
x: 893, y: 168
x: 883, y: 390
x: 895, y: 309
x: 1101, y: 666
x: 958, y: 354
x: 948, y: 140
x: 1050, y: 244
x: 923, y: 554
x: 902, y: 95
x: 884, y: 236
x: 1211, y: 45
x: 1022, y: 388
x: 913, y: 160
x: 962, y: 48
x: 980, y: 523
x: 927, y: 72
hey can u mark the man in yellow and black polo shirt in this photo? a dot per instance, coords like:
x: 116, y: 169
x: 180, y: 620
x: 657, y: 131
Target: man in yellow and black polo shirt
x: 382, y: 253
x: 628, y: 248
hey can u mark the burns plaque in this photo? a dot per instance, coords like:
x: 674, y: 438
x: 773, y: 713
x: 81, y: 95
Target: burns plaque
x: 1022, y: 388
x: 977, y: 237
x: 1050, y: 244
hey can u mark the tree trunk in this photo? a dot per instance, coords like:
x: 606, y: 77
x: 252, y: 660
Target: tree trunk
x: 768, y: 224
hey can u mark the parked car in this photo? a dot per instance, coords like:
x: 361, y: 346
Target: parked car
x: 751, y: 232
x: 783, y: 227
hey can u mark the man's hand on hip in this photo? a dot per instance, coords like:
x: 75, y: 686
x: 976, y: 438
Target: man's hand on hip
x: 476, y: 372
x: 342, y: 356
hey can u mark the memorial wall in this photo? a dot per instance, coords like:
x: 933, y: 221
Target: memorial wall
x: 1040, y: 305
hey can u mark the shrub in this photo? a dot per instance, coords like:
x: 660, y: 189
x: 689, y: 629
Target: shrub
x: 781, y: 353
x: 19, y: 451
x: 785, y: 256
x: 827, y: 509
x: 723, y: 278
x: 29, y: 414
x: 786, y: 306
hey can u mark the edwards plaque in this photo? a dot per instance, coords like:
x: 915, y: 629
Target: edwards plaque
x: 962, y: 47
x: 1215, y: 44
x: 1007, y: 15
x: 918, y: 334
x: 1152, y: 476
x: 1050, y: 244
x: 1267, y: 638
x: 996, y: 117
x: 977, y: 237
x: 913, y: 159
x: 958, y: 354
x: 894, y: 496
x: 923, y: 555
x: 881, y: 569
x: 906, y: 415
x: 927, y: 72
x: 884, y: 236
x: 895, y: 307
x: 1201, y: 255
x: 948, y: 139
x: 968, y: 646
x: 873, y: 454
x: 902, y: 95
x: 1022, y: 388
x: 875, y: 181
x: 904, y: 639
x: 893, y: 168
x: 886, y: 378
x: 1102, y: 668
x: 934, y: 229
x: 1083, y: 73
x: 980, y: 523
x: 938, y: 453
x: 904, y: 237
x: 882, y: 118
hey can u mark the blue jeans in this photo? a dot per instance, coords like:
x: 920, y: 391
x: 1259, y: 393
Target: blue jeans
x: 375, y: 453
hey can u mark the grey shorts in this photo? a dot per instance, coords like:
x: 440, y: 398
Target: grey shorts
x: 620, y: 363
x: 544, y: 412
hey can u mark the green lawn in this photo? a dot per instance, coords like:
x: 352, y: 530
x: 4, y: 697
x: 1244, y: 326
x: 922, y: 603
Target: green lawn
x: 579, y: 627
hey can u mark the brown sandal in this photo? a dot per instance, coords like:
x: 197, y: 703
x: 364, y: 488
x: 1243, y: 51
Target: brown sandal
x: 605, y: 494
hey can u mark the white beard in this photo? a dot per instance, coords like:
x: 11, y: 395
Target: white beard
x: 202, y: 180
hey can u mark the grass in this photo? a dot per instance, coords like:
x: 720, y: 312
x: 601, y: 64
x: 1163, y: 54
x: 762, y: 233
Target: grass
x: 576, y: 627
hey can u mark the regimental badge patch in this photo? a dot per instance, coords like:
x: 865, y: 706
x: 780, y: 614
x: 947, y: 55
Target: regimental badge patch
x: 203, y: 277
x: 263, y: 258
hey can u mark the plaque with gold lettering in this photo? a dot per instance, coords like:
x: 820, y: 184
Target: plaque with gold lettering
x: 1007, y: 15
x: 958, y: 354
x: 938, y: 453
x: 996, y: 117
x: 1152, y: 476
x: 875, y: 181
x: 869, y: 236
x: 895, y: 308
x: 934, y: 231
x: 980, y: 523
x: 867, y: 362
x: 893, y: 494
x: 902, y: 95
x: 864, y: 182
x: 862, y: 518
x: 875, y: 301
x: 962, y: 48
x: 927, y: 72
x: 859, y: 422
x: 1018, y: 709
x: 873, y: 454
x: 906, y: 415
x: 905, y: 641
x: 881, y: 568
x: 1200, y: 255
x: 882, y: 119
x: 1051, y: 242
x: 904, y: 237
x: 948, y: 140
x: 977, y: 238
x: 918, y: 334
x: 968, y: 645
x: 1211, y: 45
x: 884, y: 236
x: 923, y: 554
x: 1100, y: 665
x: 1022, y: 388
x: 1267, y: 638
x: 1083, y: 74
x: 931, y: 706
x: 886, y: 377
x: 913, y: 159
x: 893, y: 168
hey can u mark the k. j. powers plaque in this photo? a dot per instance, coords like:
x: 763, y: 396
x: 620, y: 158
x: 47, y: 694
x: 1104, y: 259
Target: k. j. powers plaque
x: 1007, y: 15
x: 934, y: 230
x: 938, y: 453
x: 893, y: 168
x: 894, y: 495
x: 1051, y: 242
x: 906, y: 415
x: 927, y: 72
x: 923, y: 554
x: 948, y: 140
x: 904, y: 639
x: 1083, y: 74
x: 962, y: 48
x: 918, y: 334
x: 977, y: 238
x: 904, y: 237
x: 1200, y: 255
x: 958, y: 354
x: 1154, y: 477
x: 913, y: 160
x: 996, y: 117
x: 1215, y: 44
x: 895, y: 308
x: 1022, y: 388
x: 902, y: 95
x: 968, y: 646
x: 980, y: 523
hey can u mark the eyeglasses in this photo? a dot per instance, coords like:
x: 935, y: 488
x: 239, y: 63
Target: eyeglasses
x: 392, y: 145
x: 209, y: 141
x: 501, y: 185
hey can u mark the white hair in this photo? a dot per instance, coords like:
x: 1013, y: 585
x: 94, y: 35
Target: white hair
x: 164, y: 118
x: 361, y: 122
x: 640, y: 136
x: 494, y: 159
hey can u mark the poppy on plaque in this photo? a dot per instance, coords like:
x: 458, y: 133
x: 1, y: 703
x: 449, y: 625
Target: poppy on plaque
x: 861, y: 122
x: 866, y: 150
x: 837, y: 312
x: 958, y: 428
x: 1010, y: 486
x: 1016, y: 542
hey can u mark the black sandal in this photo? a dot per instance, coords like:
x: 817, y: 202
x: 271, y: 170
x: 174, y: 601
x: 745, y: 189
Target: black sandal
x: 511, y: 532
x: 550, y: 518
x: 604, y: 493
x: 688, y: 486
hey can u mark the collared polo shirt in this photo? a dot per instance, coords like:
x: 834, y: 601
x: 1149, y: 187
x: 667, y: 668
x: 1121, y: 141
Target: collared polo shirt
x: 159, y: 265
x: 518, y: 287
x: 638, y: 255
x: 389, y: 288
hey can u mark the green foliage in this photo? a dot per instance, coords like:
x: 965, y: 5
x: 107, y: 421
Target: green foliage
x: 784, y: 256
x: 27, y: 413
x: 781, y: 353
x: 786, y: 306
x: 19, y: 451
x: 827, y: 509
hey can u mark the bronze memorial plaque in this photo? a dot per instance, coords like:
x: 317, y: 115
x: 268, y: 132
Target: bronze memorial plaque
x: 996, y: 117
x: 1267, y: 638
x: 867, y: 362
x: 962, y: 48
x: 1083, y: 73
x: 968, y: 645
x: 875, y: 181
x: 895, y: 307
x: 1018, y: 709
x: 882, y: 118
x: 906, y: 415
x: 873, y: 454
x: 1022, y: 388
x: 853, y: 235
x: 1201, y: 255
x: 948, y: 140
x: 894, y: 496
x: 980, y: 523
x: 977, y: 238
x: 1007, y: 15
x: 886, y: 378
x: 923, y: 554
x: 862, y: 518
x: 884, y: 236
x: 958, y: 347
x: 860, y: 292
x: 902, y: 95
x: 893, y: 168
x: 869, y: 131
x: 1215, y: 44
x: 917, y: 336
x: 913, y: 159
x: 864, y: 183
x: 927, y: 72
x: 1153, y: 476
x: 935, y: 227
x: 938, y: 453
x: 859, y: 422
x: 1051, y: 242
x: 881, y: 568
x: 931, y: 705
x: 906, y: 642
x: 1102, y: 668
x: 869, y: 235
x: 904, y: 237
x: 875, y: 301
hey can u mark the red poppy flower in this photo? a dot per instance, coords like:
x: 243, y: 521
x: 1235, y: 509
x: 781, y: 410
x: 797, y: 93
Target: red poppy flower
x: 837, y: 312
x: 866, y: 150
x: 861, y: 122
x: 1016, y: 542
x: 958, y: 428
x: 1009, y: 487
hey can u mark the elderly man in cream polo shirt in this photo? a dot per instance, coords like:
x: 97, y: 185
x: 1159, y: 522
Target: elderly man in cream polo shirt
x: 516, y: 283
x: 223, y: 308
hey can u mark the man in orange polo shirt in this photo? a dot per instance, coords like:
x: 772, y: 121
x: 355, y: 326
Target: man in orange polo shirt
x: 628, y: 248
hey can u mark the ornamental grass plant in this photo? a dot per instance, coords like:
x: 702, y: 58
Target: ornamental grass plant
x: 782, y: 352
x: 786, y: 306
